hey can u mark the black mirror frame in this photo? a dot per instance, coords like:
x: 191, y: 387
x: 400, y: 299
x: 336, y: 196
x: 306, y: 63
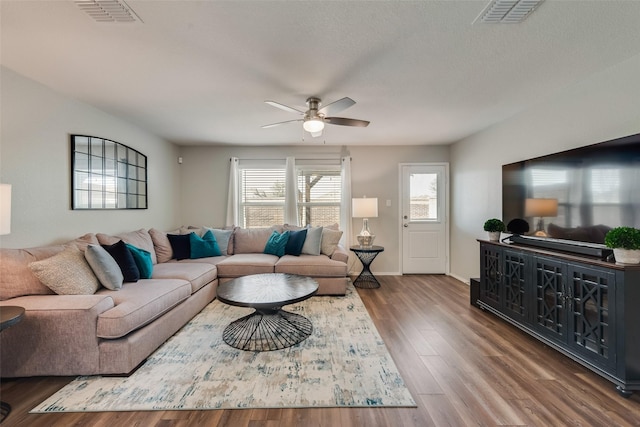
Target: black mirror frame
x: 106, y: 174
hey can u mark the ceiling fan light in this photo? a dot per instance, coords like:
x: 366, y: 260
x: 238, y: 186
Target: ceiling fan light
x: 313, y: 125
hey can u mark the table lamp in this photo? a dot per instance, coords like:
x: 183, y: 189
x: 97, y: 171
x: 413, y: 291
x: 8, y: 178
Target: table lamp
x: 365, y: 208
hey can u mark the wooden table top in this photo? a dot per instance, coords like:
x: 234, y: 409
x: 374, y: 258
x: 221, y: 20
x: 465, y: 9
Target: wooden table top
x: 10, y: 315
x: 267, y: 290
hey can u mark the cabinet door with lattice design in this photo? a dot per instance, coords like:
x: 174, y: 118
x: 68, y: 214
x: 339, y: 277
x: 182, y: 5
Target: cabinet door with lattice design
x: 592, y: 320
x: 514, y: 277
x: 551, y: 298
x: 491, y: 275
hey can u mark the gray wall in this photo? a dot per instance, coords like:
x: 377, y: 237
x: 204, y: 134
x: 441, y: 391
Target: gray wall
x: 374, y: 170
x: 603, y: 107
x: 35, y: 159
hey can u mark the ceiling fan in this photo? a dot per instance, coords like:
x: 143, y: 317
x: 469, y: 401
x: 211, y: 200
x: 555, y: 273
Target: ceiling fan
x: 314, y: 119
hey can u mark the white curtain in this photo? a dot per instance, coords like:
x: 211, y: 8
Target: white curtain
x: 345, y: 201
x: 291, y: 193
x: 232, y: 199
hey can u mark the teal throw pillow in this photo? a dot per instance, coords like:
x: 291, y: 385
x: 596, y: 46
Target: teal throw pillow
x: 276, y: 243
x: 143, y: 260
x: 205, y: 246
x: 222, y: 237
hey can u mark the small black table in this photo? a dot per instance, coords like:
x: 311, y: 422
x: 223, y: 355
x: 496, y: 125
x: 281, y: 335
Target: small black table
x: 268, y: 327
x: 9, y: 316
x: 366, y: 279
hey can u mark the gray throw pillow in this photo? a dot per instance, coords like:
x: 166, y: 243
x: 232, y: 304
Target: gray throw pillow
x: 104, y: 267
x: 313, y: 241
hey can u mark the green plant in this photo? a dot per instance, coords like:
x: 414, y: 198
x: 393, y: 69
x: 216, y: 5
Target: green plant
x: 623, y: 237
x: 493, y: 225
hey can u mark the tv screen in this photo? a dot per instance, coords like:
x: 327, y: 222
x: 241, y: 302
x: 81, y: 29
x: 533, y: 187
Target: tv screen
x: 578, y: 194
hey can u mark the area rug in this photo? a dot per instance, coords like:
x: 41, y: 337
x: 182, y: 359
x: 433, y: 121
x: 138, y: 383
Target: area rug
x: 343, y: 363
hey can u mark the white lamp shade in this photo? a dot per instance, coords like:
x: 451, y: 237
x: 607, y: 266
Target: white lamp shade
x: 364, y: 207
x: 541, y: 207
x: 5, y: 208
x: 313, y: 125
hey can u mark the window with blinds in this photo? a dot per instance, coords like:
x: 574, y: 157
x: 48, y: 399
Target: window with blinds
x: 319, y: 194
x: 262, y: 195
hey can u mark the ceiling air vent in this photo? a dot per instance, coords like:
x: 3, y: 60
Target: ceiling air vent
x: 108, y: 10
x: 507, y: 11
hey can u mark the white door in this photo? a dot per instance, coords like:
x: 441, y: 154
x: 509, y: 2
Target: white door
x: 424, y: 190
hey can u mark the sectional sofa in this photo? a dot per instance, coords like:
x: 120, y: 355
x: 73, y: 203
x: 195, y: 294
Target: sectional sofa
x: 112, y: 331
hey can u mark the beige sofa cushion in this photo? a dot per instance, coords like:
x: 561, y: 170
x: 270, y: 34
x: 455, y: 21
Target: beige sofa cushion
x: 161, y: 245
x: 16, y: 279
x: 139, y: 238
x: 252, y: 240
x: 311, y: 265
x: 139, y: 303
x: 198, y: 274
x: 245, y: 264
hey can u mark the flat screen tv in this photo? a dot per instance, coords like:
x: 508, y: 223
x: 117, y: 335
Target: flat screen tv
x: 576, y: 195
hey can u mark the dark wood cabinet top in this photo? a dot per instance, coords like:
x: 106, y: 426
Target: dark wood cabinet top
x: 567, y: 256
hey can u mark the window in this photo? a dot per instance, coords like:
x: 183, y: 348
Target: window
x: 262, y: 194
x: 423, y: 192
x: 319, y: 191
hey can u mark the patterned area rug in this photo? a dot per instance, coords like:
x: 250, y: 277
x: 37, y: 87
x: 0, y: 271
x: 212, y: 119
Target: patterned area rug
x: 343, y: 363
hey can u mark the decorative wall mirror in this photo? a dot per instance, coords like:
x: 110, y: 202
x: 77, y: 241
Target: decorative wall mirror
x: 107, y: 175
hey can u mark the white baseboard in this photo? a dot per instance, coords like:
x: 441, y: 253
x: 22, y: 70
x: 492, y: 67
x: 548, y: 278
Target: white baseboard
x: 376, y: 273
x: 462, y: 279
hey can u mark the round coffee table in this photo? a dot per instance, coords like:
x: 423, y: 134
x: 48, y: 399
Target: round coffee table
x: 268, y: 327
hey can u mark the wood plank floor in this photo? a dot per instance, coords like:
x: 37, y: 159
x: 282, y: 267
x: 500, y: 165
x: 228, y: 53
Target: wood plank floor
x: 463, y: 367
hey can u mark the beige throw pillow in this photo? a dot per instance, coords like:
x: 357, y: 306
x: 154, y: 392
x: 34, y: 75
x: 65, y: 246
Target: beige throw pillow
x: 67, y: 273
x: 330, y: 240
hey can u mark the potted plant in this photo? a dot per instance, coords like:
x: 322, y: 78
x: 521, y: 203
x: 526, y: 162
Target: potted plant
x: 494, y: 227
x: 625, y: 242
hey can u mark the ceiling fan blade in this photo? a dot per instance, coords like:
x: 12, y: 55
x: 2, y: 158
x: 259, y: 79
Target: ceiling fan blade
x: 337, y: 106
x: 280, y: 123
x: 283, y: 107
x: 346, y: 122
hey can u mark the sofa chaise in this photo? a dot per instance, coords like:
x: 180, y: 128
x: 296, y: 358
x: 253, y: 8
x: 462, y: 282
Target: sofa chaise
x: 111, y: 332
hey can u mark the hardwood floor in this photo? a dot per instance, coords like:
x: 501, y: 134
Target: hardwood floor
x: 463, y: 367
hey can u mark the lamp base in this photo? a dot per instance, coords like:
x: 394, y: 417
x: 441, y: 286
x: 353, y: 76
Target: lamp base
x: 365, y: 241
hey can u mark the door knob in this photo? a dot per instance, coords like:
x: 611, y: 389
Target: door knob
x: 405, y: 225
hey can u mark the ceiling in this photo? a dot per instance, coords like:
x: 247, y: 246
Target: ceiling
x: 198, y: 72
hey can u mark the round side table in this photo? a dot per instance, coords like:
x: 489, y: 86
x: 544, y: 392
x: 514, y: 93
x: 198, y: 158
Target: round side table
x: 366, y: 255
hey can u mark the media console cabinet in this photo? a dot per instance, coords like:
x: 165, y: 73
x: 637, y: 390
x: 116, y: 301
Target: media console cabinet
x: 585, y: 308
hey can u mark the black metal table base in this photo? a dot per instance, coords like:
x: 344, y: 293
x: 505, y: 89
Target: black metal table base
x: 267, y: 330
x: 366, y: 280
x: 5, y: 409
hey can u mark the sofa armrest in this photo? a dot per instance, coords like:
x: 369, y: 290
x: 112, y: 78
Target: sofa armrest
x: 340, y: 254
x: 57, y: 336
